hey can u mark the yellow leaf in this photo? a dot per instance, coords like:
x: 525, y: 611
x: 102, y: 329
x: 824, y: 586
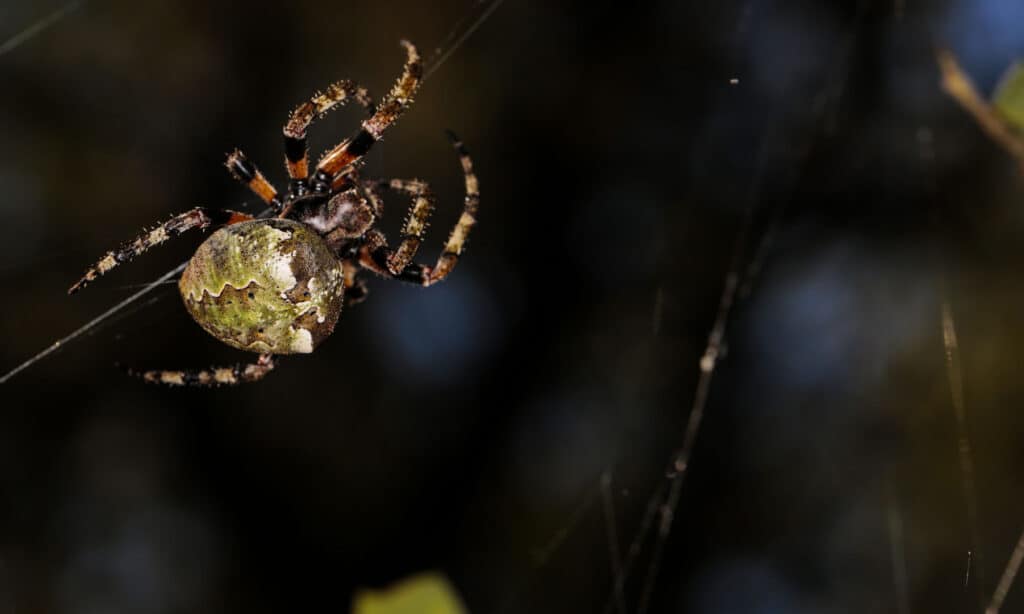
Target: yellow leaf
x: 1008, y: 98
x: 426, y: 593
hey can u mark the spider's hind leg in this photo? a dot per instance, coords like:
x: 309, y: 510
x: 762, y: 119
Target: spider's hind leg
x: 457, y: 239
x: 415, y: 223
x: 213, y: 377
x: 376, y: 255
x: 200, y: 217
x: 355, y: 287
x: 387, y: 112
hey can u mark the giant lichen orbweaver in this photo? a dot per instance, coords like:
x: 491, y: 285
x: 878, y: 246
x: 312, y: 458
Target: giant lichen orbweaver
x: 277, y: 285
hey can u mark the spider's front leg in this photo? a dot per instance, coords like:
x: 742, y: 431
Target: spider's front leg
x: 213, y: 377
x: 200, y: 217
x: 394, y: 104
x: 296, y: 152
x: 246, y: 172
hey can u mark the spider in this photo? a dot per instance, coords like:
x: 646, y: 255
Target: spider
x: 278, y: 285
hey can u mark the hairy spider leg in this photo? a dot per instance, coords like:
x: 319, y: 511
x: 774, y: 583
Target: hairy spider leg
x: 246, y: 172
x: 200, y: 217
x: 296, y: 152
x: 394, y: 104
x: 371, y: 189
x: 376, y: 256
x: 212, y: 377
x: 416, y: 221
x: 457, y: 239
x: 355, y: 287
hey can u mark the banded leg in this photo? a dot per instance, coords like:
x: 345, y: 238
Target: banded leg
x: 296, y: 152
x: 200, y: 217
x: 457, y: 239
x: 415, y: 222
x: 376, y: 256
x: 393, y: 105
x: 246, y: 172
x: 371, y: 189
x: 357, y: 293
x: 213, y: 377
x: 355, y: 288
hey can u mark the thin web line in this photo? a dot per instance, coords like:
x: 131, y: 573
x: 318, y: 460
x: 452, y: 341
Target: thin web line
x: 709, y: 360
x: 98, y: 320
x: 93, y: 323
x: 635, y: 546
x: 680, y: 459
x: 542, y: 555
x: 462, y: 39
x: 611, y: 532
x: 898, y: 552
x: 38, y: 27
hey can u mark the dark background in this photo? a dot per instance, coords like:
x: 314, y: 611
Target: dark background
x: 467, y: 427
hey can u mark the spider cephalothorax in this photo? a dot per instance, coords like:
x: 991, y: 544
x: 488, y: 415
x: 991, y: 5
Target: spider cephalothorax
x: 278, y: 285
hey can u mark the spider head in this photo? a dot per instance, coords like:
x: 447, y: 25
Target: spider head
x: 270, y: 286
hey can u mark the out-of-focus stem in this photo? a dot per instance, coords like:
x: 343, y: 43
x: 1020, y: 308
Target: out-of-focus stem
x: 958, y: 84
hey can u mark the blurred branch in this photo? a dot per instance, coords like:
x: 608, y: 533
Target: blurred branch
x: 36, y: 28
x: 958, y: 84
x: 1009, y: 575
x: 966, y: 458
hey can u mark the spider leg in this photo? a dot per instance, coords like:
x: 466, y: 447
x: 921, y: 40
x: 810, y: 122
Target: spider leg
x: 246, y: 172
x: 371, y: 189
x: 357, y: 293
x: 415, y: 223
x: 200, y: 217
x: 394, y: 104
x: 376, y: 256
x: 457, y: 239
x: 296, y: 153
x: 355, y: 287
x: 212, y: 377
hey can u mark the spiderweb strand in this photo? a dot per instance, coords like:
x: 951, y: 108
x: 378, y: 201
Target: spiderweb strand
x: 38, y: 27
x: 633, y: 553
x: 897, y: 551
x: 103, y: 318
x: 433, y: 65
x: 612, y: 533
x: 31, y: 31
x: 681, y: 458
x: 91, y: 324
x: 543, y: 554
x: 708, y: 362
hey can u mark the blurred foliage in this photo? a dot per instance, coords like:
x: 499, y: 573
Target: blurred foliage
x: 467, y: 427
x: 1009, y: 96
x: 426, y: 593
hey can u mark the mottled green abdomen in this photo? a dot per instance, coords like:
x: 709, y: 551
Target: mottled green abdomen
x: 265, y: 286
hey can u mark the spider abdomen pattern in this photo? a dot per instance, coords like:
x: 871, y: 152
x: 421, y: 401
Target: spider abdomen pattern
x: 269, y: 286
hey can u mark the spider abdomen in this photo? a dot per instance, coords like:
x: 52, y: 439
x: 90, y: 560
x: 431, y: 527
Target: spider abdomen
x: 269, y: 286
